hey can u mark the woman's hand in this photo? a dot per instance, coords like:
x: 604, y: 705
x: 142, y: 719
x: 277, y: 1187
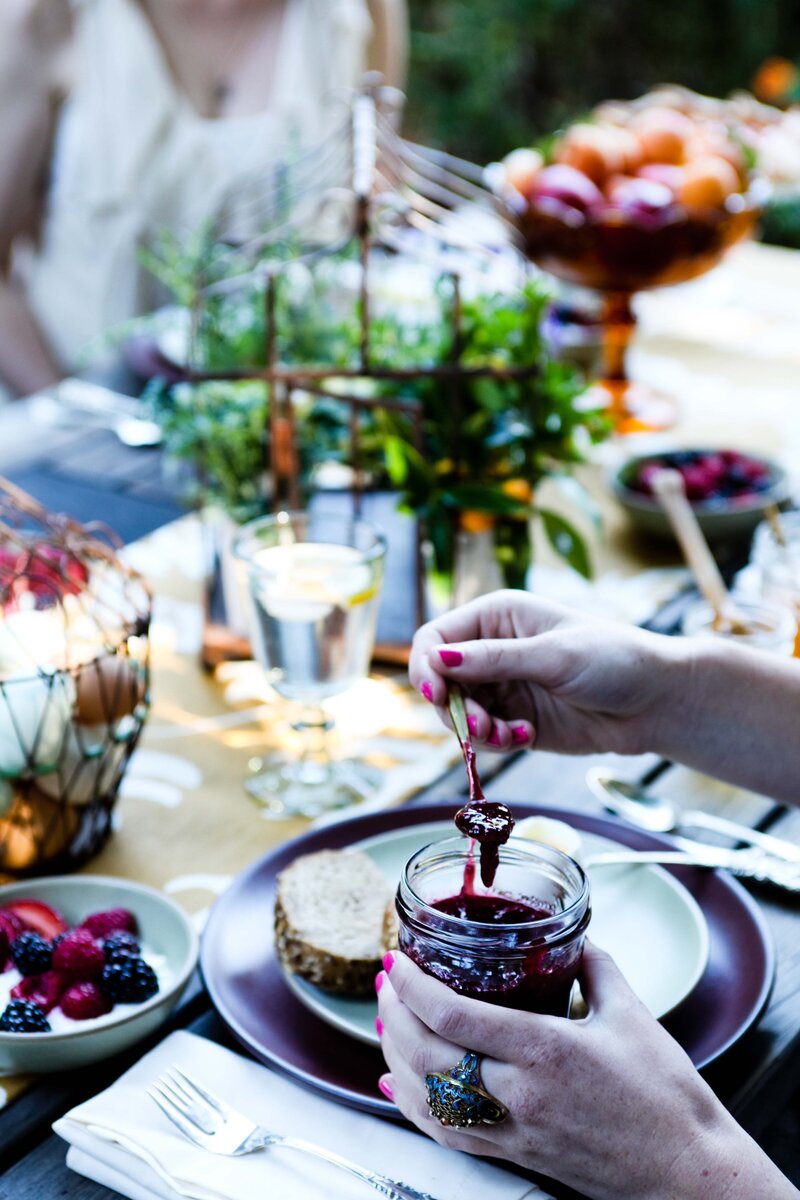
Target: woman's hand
x: 534, y: 671
x: 610, y: 1104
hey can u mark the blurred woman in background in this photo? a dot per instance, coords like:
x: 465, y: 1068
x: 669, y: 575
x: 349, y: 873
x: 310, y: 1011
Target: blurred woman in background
x: 121, y: 118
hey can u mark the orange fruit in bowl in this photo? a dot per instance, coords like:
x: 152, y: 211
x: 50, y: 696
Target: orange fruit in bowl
x: 591, y: 149
x: 628, y: 145
x: 663, y: 135
x: 707, y: 182
x: 521, y: 168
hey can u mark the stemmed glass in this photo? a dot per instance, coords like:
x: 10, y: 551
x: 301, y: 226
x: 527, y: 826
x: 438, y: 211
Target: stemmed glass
x: 314, y: 583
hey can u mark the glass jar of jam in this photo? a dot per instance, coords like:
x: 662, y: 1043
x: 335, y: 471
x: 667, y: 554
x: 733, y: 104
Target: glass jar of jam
x: 518, y: 944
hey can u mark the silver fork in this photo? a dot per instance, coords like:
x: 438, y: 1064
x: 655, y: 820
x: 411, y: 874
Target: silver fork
x: 213, y: 1125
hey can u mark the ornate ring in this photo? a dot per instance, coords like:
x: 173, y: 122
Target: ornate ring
x: 458, y: 1098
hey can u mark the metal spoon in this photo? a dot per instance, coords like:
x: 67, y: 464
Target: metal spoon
x: 658, y: 815
x: 750, y: 864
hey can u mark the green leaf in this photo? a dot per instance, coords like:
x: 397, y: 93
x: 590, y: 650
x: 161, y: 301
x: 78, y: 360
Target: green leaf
x: 483, y: 497
x: 579, y: 496
x: 566, y: 541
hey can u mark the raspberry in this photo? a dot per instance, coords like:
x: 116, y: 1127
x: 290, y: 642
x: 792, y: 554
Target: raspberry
x: 129, y: 981
x: 31, y: 954
x: 79, y: 955
x: 101, y: 924
x: 120, y: 943
x: 44, y: 990
x: 21, y: 1016
x: 83, y: 1001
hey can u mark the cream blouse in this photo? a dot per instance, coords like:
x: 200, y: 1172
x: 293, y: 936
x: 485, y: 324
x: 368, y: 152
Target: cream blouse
x: 133, y: 157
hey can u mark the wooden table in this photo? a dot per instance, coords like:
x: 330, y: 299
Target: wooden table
x: 755, y: 1078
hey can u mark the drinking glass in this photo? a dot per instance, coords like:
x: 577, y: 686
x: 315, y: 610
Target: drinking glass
x: 314, y: 584
x: 778, y: 563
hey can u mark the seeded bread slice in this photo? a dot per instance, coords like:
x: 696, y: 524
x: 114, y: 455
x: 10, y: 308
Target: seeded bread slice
x: 334, y: 920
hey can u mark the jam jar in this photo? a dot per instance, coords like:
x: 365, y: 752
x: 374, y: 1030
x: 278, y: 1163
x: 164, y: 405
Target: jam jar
x: 518, y: 944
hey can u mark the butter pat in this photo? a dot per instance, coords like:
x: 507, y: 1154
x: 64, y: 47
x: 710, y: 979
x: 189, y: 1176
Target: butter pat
x: 553, y: 833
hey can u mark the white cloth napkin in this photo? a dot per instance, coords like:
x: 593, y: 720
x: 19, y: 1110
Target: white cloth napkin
x: 120, y: 1139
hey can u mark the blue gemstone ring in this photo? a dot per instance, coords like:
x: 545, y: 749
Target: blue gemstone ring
x: 459, y: 1099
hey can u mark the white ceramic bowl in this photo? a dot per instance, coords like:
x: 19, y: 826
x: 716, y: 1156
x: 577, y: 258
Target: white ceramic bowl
x: 165, y: 930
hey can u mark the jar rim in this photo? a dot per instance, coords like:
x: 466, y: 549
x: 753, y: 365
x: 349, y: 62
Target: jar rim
x: 524, y: 847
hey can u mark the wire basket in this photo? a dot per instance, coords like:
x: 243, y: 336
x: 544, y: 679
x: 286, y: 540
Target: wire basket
x: 74, y: 684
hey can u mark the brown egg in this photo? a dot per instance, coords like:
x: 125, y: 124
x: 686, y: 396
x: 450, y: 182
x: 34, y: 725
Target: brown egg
x: 106, y: 689
x: 35, y: 830
x: 663, y: 135
x: 521, y: 168
x: 707, y: 183
x: 591, y: 149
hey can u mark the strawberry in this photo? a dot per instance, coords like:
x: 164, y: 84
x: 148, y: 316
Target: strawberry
x: 79, y: 955
x: 36, y: 916
x: 82, y: 1001
x: 44, y: 990
x: 101, y: 924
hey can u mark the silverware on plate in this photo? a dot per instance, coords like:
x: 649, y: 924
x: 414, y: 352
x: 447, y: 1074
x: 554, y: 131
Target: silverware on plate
x: 217, y: 1127
x: 749, y: 864
x: 658, y: 815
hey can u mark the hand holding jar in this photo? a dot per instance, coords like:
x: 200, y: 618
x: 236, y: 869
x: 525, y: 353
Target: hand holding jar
x: 609, y: 1104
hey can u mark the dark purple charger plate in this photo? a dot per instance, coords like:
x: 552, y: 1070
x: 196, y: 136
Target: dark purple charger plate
x: 247, y: 988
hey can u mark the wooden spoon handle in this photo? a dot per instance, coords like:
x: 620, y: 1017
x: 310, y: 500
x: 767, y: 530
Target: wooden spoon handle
x: 669, y: 488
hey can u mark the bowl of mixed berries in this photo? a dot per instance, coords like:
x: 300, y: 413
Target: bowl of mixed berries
x: 88, y: 966
x: 728, y: 490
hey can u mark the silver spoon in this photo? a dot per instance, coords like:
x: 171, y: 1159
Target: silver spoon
x: 658, y: 815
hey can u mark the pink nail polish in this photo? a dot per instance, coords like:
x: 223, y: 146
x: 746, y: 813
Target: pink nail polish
x: 388, y: 962
x: 379, y: 978
x: 472, y: 724
x: 519, y: 733
x: 494, y: 740
x: 379, y: 1026
x: 451, y: 658
x: 427, y: 691
x: 386, y: 1089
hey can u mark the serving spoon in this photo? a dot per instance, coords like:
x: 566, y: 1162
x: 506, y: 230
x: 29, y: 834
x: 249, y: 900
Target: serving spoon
x: 659, y: 815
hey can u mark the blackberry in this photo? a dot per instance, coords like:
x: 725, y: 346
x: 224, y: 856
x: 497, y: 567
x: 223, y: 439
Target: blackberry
x: 120, y: 944
x: 31, y: 954
x: 23, y: 1016
x: 129, y: 980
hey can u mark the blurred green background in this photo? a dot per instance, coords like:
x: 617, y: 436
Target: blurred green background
x: 489, y: 75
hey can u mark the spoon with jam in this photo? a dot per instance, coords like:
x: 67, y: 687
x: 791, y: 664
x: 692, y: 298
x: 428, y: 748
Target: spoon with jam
x: 487, y: 822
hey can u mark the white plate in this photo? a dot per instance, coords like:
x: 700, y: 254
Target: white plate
x: 642, y: 916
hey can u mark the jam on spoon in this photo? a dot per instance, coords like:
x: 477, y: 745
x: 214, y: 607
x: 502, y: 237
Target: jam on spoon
x: 487, y: 822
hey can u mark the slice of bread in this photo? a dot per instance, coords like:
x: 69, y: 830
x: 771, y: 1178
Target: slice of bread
x: 334, y: 920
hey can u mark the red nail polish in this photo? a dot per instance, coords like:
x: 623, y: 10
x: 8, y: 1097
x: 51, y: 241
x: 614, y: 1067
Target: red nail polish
x: 451, y: 658
x: 427, y: 691
x: 519, y: 733
x: 494, y: 740
x: 472, y: 724
x: 388, y: 962
x: 379, y: 978
x: 379, y: 1026
x: 386, y: 1089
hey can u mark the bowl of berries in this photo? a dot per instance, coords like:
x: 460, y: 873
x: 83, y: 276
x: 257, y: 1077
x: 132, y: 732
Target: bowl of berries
x: 90, y: 965
x: 728, y: 490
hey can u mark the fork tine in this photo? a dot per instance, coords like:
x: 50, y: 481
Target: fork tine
x: 176, y: 1117
x: 171, y: 1080
x: 199, y: 1115
x: 221, y: 1108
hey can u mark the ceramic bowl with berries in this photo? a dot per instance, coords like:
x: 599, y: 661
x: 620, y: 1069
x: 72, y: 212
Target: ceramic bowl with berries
x: 727, y: 489
x: 88, y: 966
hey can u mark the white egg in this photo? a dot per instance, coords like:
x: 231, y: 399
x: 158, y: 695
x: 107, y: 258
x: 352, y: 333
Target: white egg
x: 35, y: 715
